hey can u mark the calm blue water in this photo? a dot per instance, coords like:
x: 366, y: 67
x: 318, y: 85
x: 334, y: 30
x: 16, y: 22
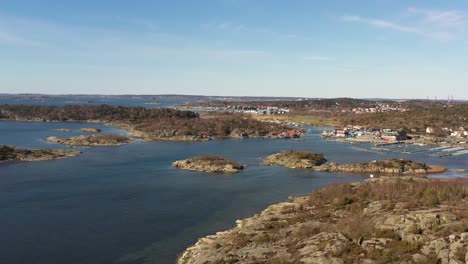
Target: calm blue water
x: 126, y: 204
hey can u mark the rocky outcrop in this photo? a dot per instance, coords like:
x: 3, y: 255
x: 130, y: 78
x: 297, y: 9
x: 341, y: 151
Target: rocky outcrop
x: 166, y: 135
x: 93, y: 140
x: 8, y: 153
x: 63, y: 130
x: 385, y: 220
x: 209, y: 164
x: 296, y: 159
x: 90, y: 130
x: 308, y: 160
x: 389, y: 166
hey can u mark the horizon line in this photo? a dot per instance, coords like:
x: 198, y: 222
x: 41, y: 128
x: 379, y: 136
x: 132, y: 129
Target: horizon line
x: 237, y: 96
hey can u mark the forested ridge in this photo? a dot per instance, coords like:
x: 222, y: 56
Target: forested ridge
x: 159, y: 123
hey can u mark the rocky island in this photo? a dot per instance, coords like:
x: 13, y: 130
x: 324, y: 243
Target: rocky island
x: 388, y: 166
x: 63, y: 130
x: 90, y: 130
x: 296, y: 159
x: 384, y: 220
x: 309, y: 160
x: 9, y: 153
x: 93, y: 140
x: 209, y: 164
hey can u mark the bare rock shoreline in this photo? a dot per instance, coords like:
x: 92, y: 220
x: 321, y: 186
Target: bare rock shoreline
x: 209, y: 164
x: 384, y: 220
x: 92, y: 140
x: 9, y: 153
x: 314, y: 161
x: 90, y: 130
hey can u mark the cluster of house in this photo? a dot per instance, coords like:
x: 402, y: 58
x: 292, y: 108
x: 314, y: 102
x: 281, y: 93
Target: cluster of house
x: 293, y: 133
x: 379, y: 108
x: 385, y: 134
x: 288, y: 134
x: 260, y: 110
x: 461, y: 132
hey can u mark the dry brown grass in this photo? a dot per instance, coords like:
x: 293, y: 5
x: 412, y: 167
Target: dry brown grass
x: 216, y: 160
x: 339, y: 208
x: 395, y: 252
x: 315, y: 158
x: 422, y: 193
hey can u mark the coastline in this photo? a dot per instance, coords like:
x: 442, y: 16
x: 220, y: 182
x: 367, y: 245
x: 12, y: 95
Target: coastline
x: 143, y: 135
x: 231, y: 220
x: 428, y: 141
x: 301, y: 230
x: 12, y: 154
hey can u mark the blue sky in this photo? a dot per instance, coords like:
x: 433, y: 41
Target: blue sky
x: 382, y: 48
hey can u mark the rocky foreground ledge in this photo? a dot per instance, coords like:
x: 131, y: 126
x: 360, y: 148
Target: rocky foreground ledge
x: 9, y: 153
x: 93, y: 140
x: 384, y: 220
x: 209, y: 164
x: 314, y: 161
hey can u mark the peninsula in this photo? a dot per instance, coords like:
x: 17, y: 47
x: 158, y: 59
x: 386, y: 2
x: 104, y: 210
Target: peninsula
x: 150, y: 124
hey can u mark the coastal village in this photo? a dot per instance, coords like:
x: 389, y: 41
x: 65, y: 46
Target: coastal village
x: 355, y: 133
x: 388, y: 140
x: 388, y: 135
x: 266, y: 109
x: 241, y: 109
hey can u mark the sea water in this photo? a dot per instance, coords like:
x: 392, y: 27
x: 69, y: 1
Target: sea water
x: 126, y: 204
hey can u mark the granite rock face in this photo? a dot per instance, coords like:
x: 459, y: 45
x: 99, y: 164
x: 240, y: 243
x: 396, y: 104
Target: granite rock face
x: 93, y: 140
x: 209, y: 164
x: 388, y: 166
x: 63, y: 130
x: 308, y: 160
x: 8, y: 153
x: 380, y: 221
x: 296, y: 159
x: 90, y: 130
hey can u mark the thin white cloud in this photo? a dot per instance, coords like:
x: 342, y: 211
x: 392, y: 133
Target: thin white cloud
x: 440, y: 25
x: 318, y: 58
x: 108, y: 45
x: 9, y: 39
x: 226, y: 26
x: 391, y: 25
x: 380, y: 23
x: 351, y: 18
x: 242, y: 28
x: 448, y: 18
x: 231, y: 54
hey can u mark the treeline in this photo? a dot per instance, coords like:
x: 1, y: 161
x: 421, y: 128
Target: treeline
x: 160, y: 122
x: 227, y: 125
x: 85, y: 113
x: 7, y: 153
x: 436, y: 116
x: 300, y: 105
